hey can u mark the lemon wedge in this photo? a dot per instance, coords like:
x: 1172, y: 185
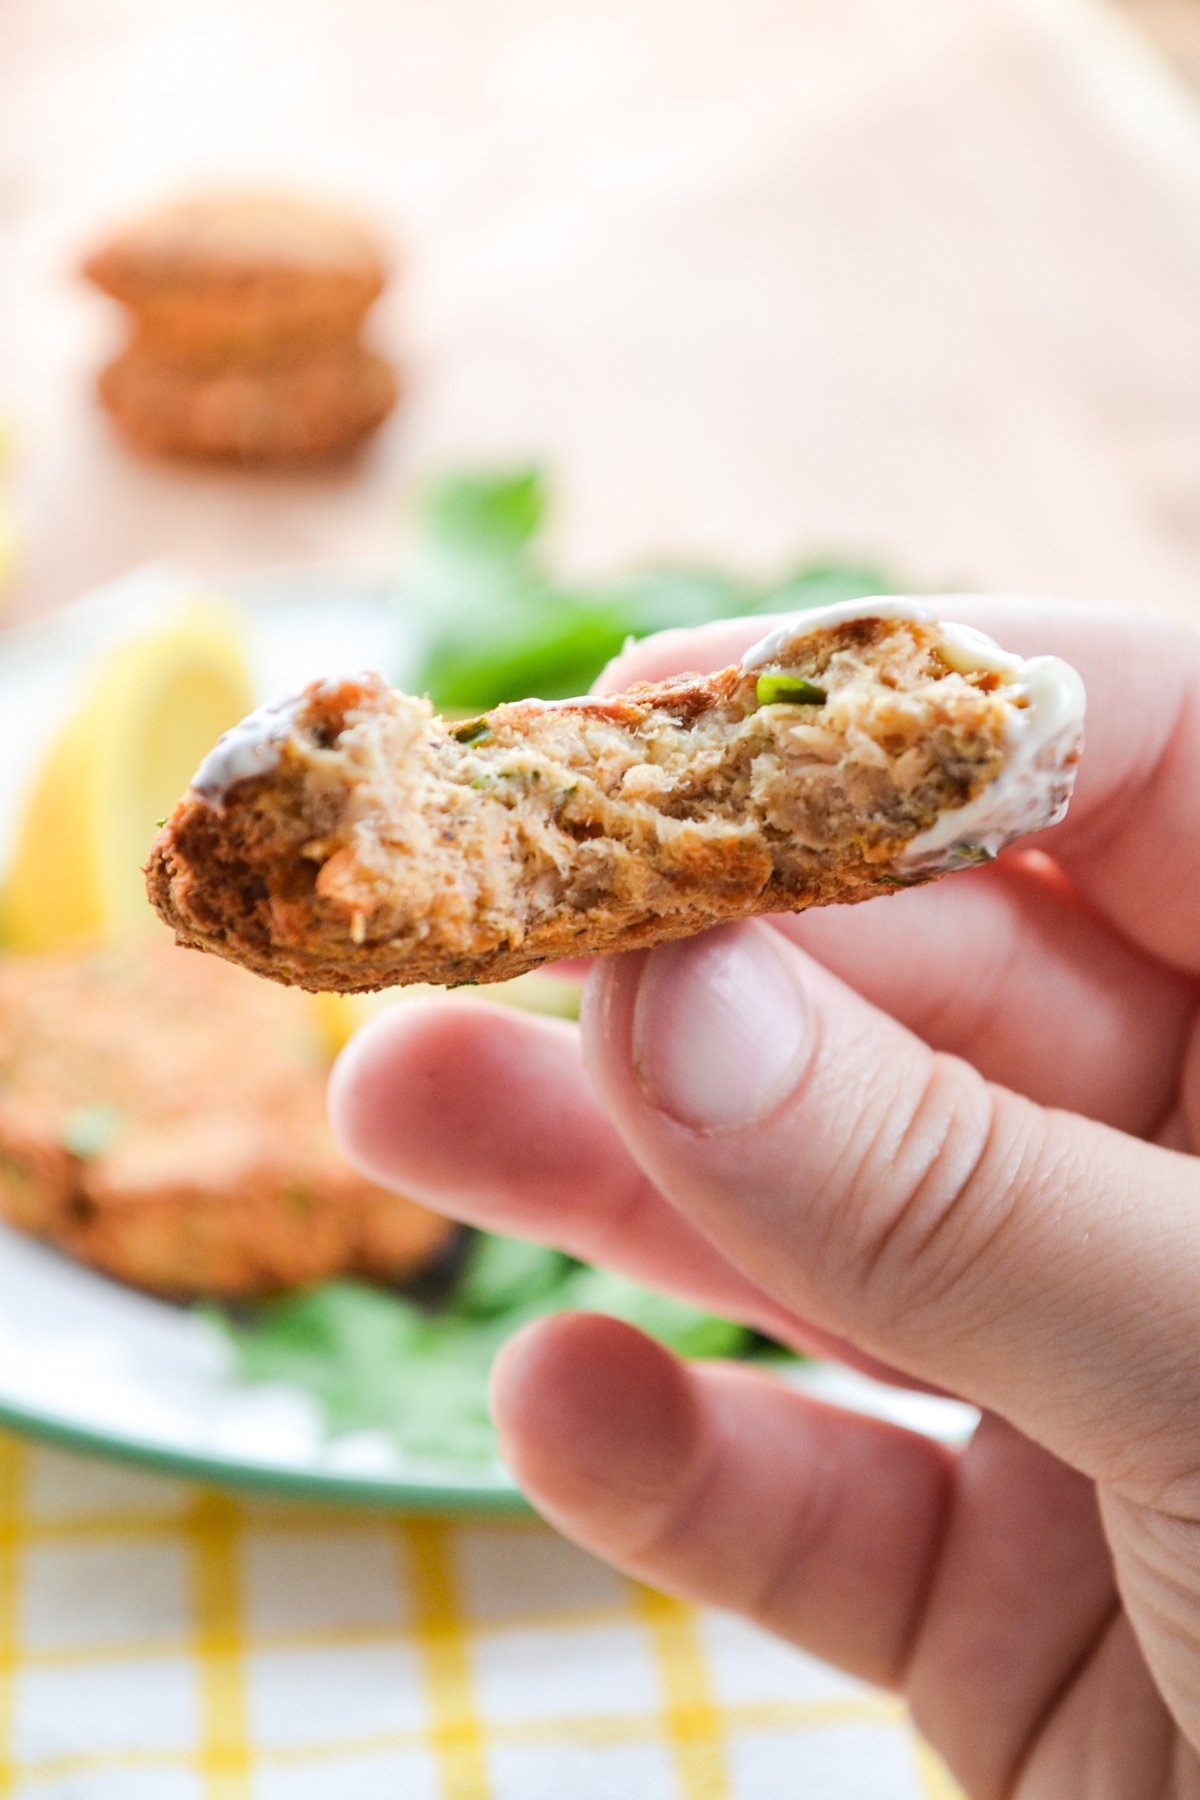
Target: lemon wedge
x: 338, y: 1016
x: 150, y: 711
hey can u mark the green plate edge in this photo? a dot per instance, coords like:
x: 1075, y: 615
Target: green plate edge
x: 265, y: 1479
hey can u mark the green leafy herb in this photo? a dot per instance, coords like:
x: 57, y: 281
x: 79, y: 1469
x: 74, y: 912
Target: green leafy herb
x: 474, y: 731
x: 486, y: 514
x: 89, y: 1130
x: 683, y: 1328
x: 508, y: 627
x: 788, y: 690
x: 503, y: 1274
x: 375, y: 1360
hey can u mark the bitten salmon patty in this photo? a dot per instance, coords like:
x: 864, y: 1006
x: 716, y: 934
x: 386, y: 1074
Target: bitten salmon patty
x: 163, y: 1119
x: 350, y: 839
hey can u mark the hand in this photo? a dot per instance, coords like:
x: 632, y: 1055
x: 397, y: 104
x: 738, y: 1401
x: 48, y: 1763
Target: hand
x: 952, y: 1128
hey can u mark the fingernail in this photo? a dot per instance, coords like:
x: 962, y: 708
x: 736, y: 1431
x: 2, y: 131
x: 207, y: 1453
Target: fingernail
x: 720, y: 1028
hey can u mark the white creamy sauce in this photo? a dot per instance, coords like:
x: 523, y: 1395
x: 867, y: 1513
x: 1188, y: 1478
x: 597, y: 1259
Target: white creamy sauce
x: 1032, y: 789
x: 251, y: 747
x: 775, y: 646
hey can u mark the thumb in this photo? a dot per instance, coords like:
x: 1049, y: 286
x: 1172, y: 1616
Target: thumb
x: 1045, y: 1267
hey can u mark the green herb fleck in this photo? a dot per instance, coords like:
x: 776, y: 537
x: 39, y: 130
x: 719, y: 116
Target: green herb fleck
x: 89, y: 1130
x: 159, y: 823
x: 472, y: 731
x: 788, y: 690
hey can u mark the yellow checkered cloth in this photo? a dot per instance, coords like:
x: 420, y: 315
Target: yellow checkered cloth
x: 163, y: 1642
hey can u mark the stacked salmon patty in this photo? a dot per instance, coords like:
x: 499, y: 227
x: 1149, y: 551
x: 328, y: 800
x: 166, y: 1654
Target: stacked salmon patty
x: 246, y: 320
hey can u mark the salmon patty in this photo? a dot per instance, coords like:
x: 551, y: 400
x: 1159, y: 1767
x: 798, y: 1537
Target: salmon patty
x: 350, y: 839
x: 162, y: 1118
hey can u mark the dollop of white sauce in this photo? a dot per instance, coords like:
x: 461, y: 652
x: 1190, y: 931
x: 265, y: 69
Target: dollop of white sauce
x: 1033, y: 787
x: 251, y: 747
x: 1031, y: 790
x: 254, y: 745
x: 775, y: 646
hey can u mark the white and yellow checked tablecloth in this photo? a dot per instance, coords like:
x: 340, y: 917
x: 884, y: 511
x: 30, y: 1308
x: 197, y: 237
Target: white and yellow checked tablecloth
x: 163, y: 1642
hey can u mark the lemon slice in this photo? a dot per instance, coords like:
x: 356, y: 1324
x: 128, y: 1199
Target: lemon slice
x: 338, y: 1016
x: 151, y: 710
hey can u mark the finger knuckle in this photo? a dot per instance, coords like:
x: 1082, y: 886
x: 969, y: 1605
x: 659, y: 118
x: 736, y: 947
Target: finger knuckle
x: 939, y: 1192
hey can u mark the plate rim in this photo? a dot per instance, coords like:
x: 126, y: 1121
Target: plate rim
x: 260, y: 590
x: 257, y: 590
x: 266, y: 1479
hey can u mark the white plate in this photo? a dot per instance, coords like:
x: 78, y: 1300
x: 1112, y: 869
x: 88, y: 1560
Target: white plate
x: 86, y: 1361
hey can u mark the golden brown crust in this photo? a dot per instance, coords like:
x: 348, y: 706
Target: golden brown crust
x: 357, y: 842
x: 240, y: 273
x: 322, y: 406
x: 162, y: 1118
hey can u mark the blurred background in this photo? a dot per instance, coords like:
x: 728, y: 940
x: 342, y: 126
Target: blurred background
x: 689, y: 302
x: 913, y: 281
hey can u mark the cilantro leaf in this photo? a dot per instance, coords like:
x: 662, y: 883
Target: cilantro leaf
x: 375, y: 1360
x: 503, y: 1274
x: 685, y: 1329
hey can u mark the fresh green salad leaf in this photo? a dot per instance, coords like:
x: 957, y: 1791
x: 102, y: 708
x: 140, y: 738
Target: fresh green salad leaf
x: 504, y: 1274
x: 376, y: 1360
x: 507, y: 627
x: 682, y: 1328
x: 485, y: 515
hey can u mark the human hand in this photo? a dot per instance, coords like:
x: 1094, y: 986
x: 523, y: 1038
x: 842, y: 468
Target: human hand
x: 955, y: 1129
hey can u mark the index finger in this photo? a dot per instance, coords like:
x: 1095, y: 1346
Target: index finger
x: 1131, y: 839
